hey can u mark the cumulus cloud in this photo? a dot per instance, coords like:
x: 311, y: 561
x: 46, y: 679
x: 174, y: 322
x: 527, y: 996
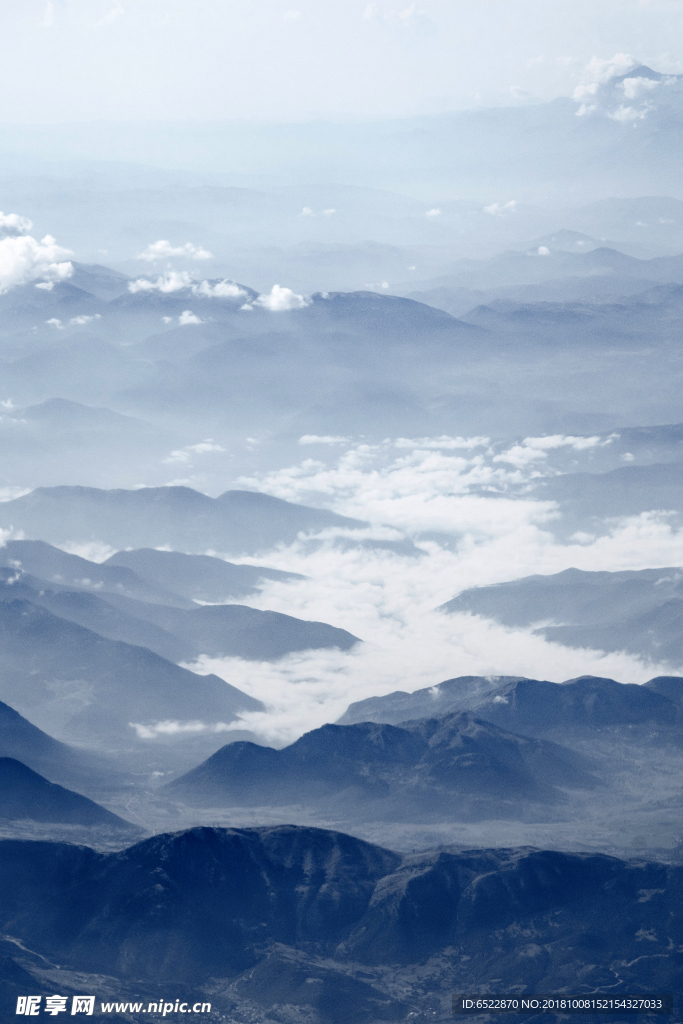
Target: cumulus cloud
x: 163, y: 250
x: 534, y: 448
x: 323, y: 439
x: 433, y: 213
x: 179, y: 280
x: 634, y: 88
x: 13, y: 225
x: 219, y: 290
x: 171, y: 281
x: 23, y: 259
x: 501, y: 209
x: 628, y: 114
x: 183, y: 456
x: 280, y: 300
x: 188, y: 317
x: 445, y: 441
x: 598, y: 71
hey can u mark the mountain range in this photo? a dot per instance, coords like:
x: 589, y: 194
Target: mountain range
x: 639, y: 611
x: 457, y: 764
x: 335, y: 928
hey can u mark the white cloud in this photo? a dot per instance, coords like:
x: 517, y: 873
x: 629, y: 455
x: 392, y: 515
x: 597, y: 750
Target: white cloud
x: 79, y: 321
x: 178, y: 280
x: 219, y: 290
x: 188, y: 317
x: 13, y: 224
x: 445, y: 441
x: 307, y: 212
x: 291, y: 15
x: 628, y: 114
x: 171, y: 281
x: 24, y: 260
x: 323, y: 439
x: 543, y: 250
x: 175, y: 728
x: 634, y: 88
x: 433, y: 213
x: 597, y: 72
x: 184, y: 455
x: 280, y: 300
x: 329, y: 212
x: 163, y: 249
x: 55, y: 322
x: 501, y: 209
x: 534, y: 448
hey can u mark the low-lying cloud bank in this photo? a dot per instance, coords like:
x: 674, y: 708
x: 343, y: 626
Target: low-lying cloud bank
x: 390, y: 598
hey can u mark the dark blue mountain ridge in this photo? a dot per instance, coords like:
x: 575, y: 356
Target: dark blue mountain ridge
x: 422, y: 768
x: 176, y: 517
x: 24, y: 794
x: 222, y: 903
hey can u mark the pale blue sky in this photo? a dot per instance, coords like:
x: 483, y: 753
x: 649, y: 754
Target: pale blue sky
x: 223, y: 59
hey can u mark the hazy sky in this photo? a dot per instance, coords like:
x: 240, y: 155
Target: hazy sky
x: 69, y: 60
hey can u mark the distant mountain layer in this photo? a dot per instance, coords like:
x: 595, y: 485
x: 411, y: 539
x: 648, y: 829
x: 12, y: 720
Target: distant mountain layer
x: 179, y: 634
x: 177, y: 517
x: 636, y: 611
x: 538, y: 707
x: 338, y: 929
x: 74, y: 768
x: 83, y: 687
x: 198, y: 577
x: 424, y: 768
x: 25, y: 794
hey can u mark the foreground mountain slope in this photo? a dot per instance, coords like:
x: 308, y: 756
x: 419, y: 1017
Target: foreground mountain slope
x: 341, y: 929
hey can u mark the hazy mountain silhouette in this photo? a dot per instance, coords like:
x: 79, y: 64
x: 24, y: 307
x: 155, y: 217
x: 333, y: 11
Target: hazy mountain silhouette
x: 55, y: 566
x: 423, y: 768
x: 84, y: 687
x: 198, y: 577
x: 237, y: 521
x: 640, y: 611
x: 70, y: 766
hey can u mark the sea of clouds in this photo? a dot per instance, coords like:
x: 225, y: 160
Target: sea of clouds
x: 432, y: 491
